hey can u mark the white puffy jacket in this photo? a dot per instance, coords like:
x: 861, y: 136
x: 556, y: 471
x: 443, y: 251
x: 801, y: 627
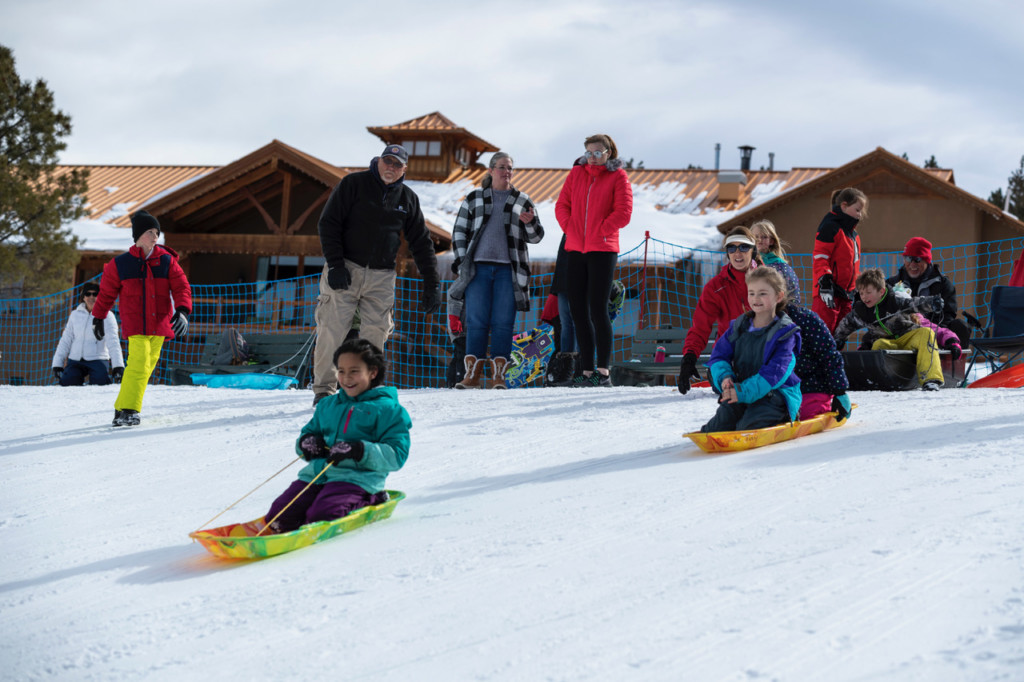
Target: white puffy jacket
x: 79, y: 343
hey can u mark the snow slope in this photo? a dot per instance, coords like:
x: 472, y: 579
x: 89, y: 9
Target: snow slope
x: 549, y: 534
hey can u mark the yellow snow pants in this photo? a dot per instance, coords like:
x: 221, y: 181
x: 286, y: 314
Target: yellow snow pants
x: 143, y: 353
x: 921, y: 340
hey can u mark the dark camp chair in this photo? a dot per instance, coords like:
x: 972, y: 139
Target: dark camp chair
x: 1004, y: 336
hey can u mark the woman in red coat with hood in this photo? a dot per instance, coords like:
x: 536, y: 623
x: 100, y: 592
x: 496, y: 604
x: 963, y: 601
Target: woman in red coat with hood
x: 596, y: 202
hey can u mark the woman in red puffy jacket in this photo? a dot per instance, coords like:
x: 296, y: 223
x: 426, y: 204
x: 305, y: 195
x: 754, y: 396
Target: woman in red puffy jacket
x: 596, y: 202
x: 722, y: 300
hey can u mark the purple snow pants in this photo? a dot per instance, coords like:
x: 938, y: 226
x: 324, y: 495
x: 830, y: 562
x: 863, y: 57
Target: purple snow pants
x: 320, y: 503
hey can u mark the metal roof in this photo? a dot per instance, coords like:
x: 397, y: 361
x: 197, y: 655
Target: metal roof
x: 116, y: 191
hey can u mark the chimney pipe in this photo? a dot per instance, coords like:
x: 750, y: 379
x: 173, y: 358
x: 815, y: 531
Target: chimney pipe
x: 746, y: 151
x: 718, y: 153
x: 771, y: 161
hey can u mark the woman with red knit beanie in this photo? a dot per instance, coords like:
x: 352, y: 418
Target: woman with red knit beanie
x: 923, y: 278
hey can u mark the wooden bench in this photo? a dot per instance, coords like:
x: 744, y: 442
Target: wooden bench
x: 641, y: 369
x: 286, y: 353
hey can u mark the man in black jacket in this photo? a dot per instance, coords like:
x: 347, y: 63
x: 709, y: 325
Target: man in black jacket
x: 361, y: 229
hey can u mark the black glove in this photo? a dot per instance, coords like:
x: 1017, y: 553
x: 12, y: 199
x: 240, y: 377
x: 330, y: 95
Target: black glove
x: 338, y: 278
x: 57, y: 371
x: 687, y: 371
x: 179, y: 323
x: 97, y: 328
x: 116, y: 374
x: 431, y: 301
x: 841, y: 405
x: 455, y: 265
x: 343, y: 450
x: 313, y: 447
x: 826, y: 291
x: 953, y: 346
x: 937, y: 304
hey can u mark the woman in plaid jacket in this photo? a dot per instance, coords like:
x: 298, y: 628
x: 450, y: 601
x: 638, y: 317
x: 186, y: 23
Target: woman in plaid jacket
x: 492, y: 264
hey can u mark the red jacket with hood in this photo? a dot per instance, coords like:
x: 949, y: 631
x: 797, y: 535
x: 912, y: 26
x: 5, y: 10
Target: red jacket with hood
x: 145, y: 287
x: 837, y: 251
x: 594, y: 204
x: 723, y: 299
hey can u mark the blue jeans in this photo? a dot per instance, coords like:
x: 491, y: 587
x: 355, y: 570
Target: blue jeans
x: 567, y: 341
x: 490, y: 310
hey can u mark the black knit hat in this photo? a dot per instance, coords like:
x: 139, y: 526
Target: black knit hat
x: 142, y: 222
x: 90, y: 288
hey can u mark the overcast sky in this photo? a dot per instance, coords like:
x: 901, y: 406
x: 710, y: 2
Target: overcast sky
x: 818, y: 83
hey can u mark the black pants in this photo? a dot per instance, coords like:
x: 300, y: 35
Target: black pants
x: 589, y: 284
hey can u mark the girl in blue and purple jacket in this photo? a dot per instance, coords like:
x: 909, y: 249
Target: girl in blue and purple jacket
x: 752, y: 364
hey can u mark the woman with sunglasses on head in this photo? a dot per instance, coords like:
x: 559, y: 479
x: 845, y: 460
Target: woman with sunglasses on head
x: 721, y: 301
x: 596, y: 202
x: 80, y: 354
x: 492, y: 268
x: 923, y: 278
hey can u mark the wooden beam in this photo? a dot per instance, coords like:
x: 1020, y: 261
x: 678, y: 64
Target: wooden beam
x: 286, y: 199
x: 222, y: 191
x: 322, y: 199
x: 271, y: 225
x: 262, y: 244
x: 232, y: 206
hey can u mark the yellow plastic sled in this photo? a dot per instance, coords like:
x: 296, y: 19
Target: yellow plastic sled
x: 240, y: 540
x: 736, y: 441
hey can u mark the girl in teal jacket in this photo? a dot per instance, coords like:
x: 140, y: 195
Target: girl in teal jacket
x: 355, y: 438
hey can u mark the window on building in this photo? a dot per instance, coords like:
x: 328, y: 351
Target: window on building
x: 423, y: 147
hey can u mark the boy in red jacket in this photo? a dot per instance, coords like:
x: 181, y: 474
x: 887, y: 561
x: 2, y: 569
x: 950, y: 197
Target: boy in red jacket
x: 156, y: 300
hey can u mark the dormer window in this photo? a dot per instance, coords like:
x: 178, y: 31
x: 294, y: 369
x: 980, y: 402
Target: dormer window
x: 423, y: 147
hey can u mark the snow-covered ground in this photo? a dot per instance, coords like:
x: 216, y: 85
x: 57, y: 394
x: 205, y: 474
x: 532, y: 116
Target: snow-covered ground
x: 548, y: 534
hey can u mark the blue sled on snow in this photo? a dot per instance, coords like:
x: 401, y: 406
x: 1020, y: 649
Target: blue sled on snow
x: 251, y: 380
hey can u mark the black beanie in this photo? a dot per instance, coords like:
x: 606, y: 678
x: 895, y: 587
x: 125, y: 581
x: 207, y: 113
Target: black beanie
x: 90, y: 288
x: 142, y: 222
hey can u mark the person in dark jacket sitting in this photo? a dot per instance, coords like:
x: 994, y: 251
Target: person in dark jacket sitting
x: 361, y: 229
x: 924, y: 279
x: 892, y: 325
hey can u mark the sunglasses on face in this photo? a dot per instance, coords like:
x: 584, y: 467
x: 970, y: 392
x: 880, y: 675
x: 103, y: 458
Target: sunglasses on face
x: 88, y: 295
x: 742, y: 248
x: 595, y: 155
x: 913, y: 259
x: 391, y: 163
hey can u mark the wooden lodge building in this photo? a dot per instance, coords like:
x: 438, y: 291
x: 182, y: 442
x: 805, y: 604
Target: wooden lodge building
x: 256, y: 218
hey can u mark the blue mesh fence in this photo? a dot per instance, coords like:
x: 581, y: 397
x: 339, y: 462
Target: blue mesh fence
x: 663, y: 282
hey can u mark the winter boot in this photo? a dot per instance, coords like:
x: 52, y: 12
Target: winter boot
x: 932, y: 385
x: 474, y: 368
x: 562, y: 369
x: 126, y: 418
x: 498, y: 372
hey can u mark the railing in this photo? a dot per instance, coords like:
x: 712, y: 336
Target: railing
x: 663, y: 282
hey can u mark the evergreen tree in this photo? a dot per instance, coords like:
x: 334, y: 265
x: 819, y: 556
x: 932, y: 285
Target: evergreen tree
x: 931, y: 163
x: 37, y: 254
x: 1016, y: 190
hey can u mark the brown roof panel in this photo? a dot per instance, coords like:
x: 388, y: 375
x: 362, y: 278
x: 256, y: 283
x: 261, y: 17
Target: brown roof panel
x: 114, y: 191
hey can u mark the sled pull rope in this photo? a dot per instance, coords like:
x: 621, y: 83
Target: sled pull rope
x: 322, y: 472
x: 232, y: 505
